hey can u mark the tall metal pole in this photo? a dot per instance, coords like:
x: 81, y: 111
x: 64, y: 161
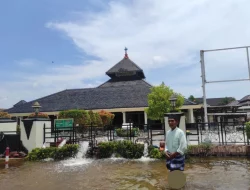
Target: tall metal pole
x: 248, y: 62
x: 203, y: 75
x: 203, y: 85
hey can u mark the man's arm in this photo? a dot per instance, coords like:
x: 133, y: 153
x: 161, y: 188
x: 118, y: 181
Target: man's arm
x: 183, y: 144
x: 166, y: 148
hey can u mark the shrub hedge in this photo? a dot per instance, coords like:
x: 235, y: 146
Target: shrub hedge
x: 4, y: 115
x: 125, y: 149
x: 126, y: 132
x: 39, y: 115
x: 95, y: 119
x: 80, y: 117
x: 67, y: 151
x: 106, y: 117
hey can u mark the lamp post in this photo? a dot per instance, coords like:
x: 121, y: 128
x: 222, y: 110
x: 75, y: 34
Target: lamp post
x: 36, y: 107
x: 173, y: 100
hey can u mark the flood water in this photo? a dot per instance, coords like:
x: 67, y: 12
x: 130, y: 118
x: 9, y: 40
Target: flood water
x: 144, y: 174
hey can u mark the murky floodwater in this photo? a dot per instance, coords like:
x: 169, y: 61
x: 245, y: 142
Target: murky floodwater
x: 78, y: 174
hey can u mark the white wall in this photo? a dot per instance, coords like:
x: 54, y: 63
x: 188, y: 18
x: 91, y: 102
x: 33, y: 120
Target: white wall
x: 36, y: 135
x: 9, y: 126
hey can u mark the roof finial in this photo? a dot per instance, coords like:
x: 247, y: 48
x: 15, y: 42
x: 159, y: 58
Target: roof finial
x: 126, y: 55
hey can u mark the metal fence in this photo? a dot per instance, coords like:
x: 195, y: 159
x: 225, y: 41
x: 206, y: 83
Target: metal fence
x: 94, y: 134
x: 219, y: 133
x: 222, y: 133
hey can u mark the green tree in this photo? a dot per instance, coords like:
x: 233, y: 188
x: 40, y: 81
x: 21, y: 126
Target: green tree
x: 226, y: 100
x: 159, y: 104
x: 191, y: 98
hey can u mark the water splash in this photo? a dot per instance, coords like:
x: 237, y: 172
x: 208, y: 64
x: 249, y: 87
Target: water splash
x: 146, y: 159
x: 102, y: 139
x: 80, y: 157
x: 145, y: 152
x: 83, y: 150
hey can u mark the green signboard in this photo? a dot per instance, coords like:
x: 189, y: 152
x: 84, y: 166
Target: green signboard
x: 64, y: 124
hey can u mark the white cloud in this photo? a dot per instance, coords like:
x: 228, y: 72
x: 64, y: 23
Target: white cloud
x: 28, y: 62
x: 160, y: 35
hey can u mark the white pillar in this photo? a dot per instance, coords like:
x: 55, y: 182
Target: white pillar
x: 190, y: 115
x: 145, y: 118
x: 124, y: 117
x: 35, y: 139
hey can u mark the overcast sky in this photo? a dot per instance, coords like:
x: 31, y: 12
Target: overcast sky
x: 48, y: 46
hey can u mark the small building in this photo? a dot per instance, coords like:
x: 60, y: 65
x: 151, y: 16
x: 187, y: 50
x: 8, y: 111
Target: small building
x: 124, y: 94
x: 216, y: 106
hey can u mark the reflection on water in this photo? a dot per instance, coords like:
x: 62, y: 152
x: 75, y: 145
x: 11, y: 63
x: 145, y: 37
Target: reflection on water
x: 113, y: 173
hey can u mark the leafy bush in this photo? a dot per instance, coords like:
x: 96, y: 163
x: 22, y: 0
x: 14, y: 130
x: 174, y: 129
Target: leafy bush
x: 80, y: 117
x: 4, y: 115
x: 95, y: 119
x: 39, y: 115
x: 248, y: 130
x: 197, y: 149
x: 98, y: 120
x: 67, y: 151
x: 126, y: 132
x: 18, y: 129
x: 125, y: 149
x: 92, y: 117
x: 106, y: 117
x: 157, y: 154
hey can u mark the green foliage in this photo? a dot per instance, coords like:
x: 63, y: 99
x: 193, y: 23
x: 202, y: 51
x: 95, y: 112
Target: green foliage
x: 4, y: 115
x: 196, y: 149
x: 80, y: 117
x: 39, y: 115
x: 67, y: 151
x: 226, y: 100
x: 98, y: 120
x: 125, y: 149
x: 18, y: 129
x: 106, y: 117
x: 126, y: 132
x: 248, y: 130
x: 191, y: 98
x: 92, y: 117
x: 159, y: 104
x: 157, y: 154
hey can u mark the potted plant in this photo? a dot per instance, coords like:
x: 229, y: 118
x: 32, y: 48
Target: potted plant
x: 4, y: 116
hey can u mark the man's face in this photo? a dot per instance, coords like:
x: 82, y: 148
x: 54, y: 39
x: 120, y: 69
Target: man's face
x: 172, y: 123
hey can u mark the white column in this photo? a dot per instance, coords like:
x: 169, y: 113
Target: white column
x: 190, y: 115
x: 36, y: 135
x: 124, y: 117
x: 145, y: 118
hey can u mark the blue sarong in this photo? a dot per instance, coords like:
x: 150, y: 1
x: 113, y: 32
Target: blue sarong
x: 177, y: 163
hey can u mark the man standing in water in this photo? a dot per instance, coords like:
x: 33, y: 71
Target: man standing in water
x: 175, y: 145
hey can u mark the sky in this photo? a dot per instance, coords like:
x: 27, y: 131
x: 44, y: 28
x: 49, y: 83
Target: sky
x: 49, y: 46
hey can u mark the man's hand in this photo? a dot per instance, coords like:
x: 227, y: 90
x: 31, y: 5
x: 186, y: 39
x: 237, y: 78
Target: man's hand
x: 173, y: 155
x: 168, y: 155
